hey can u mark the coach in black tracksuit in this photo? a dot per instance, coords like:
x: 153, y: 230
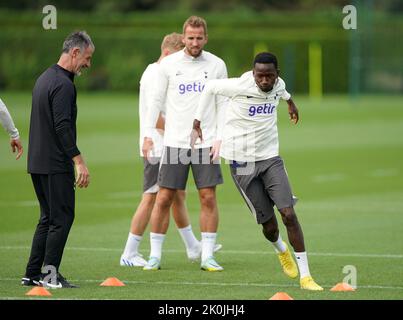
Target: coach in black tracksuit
x: 52, y: 155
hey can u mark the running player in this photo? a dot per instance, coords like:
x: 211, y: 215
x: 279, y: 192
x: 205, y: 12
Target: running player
x: 250, y: 142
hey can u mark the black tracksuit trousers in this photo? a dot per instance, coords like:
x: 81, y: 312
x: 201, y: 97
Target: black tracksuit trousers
x: 56, y: 196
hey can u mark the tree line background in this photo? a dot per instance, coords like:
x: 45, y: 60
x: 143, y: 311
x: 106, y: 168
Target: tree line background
x: 127, y: 36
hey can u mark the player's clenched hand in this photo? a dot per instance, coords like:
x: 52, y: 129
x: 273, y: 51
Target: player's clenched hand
x: 196, y: 133
x: 148, y: 145
x: 293, y: 111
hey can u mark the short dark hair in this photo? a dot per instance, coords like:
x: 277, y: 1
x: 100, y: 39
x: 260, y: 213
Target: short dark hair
x: 79, y: 39
x: 265, y: 57
x: 195, y: 22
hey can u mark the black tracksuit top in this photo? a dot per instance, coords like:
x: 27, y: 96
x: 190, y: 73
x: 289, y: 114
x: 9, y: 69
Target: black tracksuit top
x: 53, y: 133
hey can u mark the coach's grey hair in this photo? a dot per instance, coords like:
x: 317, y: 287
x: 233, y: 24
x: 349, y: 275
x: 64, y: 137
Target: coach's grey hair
x: 79, y: 39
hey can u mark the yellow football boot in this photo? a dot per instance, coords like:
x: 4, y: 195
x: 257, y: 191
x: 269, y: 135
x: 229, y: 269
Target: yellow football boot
x: 308, y: 283
x: 287, y: 263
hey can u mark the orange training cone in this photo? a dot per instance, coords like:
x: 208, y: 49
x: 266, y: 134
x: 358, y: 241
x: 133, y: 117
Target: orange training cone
x: 112, y: 282
x: 342, y: 287
x: 281, y: 296
x: 38, y: 291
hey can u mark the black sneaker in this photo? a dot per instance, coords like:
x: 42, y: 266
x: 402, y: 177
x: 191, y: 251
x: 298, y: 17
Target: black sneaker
x: 30, y: 281
x: 60, y: 282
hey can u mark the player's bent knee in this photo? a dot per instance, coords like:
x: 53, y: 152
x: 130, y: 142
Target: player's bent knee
x: 287, y: 210
x: 288, y: 215
x: 270, y: 231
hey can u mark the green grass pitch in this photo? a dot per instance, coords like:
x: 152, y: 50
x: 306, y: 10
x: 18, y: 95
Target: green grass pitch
x: 344, y: 160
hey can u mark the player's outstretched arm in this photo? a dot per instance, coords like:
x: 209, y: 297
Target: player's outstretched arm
x: 293, y: 111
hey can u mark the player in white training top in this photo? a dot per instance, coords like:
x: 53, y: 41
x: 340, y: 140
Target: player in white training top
x: 131, y: 256
x: 8, y: 124
x: 250, y: 142
x: 182, y: 77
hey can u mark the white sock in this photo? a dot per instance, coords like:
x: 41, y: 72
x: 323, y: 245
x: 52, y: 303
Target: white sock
x: 156, y: 241
x: 208, y: 243
x: 188, y: 237
x: 279, y: 245
x: 302, y: 261
x: 132, y: 245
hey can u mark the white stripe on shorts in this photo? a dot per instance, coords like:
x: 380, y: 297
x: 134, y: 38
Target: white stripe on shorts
x: 154, y: 189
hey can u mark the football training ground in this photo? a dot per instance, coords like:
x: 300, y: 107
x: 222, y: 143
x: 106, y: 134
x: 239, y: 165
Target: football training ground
x: 344, y: 161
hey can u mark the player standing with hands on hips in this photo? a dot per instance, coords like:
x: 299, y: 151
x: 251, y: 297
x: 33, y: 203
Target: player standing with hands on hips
x: 250, y: 142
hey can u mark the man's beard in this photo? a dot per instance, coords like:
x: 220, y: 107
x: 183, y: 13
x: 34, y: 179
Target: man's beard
x: 197, y: 52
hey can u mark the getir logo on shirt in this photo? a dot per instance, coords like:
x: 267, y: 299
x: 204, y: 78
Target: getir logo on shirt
x: 266, y: 108
x: 191, y: 87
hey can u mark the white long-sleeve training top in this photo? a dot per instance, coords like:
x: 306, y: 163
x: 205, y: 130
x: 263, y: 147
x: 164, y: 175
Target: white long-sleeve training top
x: 179, y: 84
x: 250, y: 119
x: 147, y: 82
x: 7, y: 122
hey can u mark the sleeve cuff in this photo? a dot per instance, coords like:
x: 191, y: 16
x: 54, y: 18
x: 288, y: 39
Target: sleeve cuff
x: 73, y: 152
x: 15, y: 135
x: 286, y: 96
